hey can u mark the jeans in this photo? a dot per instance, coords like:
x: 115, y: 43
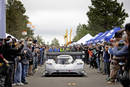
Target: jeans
x: 41, y: 59
x: 98, y: 63
x: 18, y: 73
x: 24, y: 72
x: 35, y: 62
x: 107, y: 68
x: 9, y: 76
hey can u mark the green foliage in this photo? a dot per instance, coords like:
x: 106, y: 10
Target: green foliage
x: 105, y: 14
x: 16, y: 20
x: 39, y: 40
x: 81, y: 31
x: 55, y: 42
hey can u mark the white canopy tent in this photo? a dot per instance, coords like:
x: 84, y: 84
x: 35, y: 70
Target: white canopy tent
x: 74, y: 43
x: 84, y: 39
x: 11, y: 36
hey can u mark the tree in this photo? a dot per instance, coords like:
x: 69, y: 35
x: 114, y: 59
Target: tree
x: 81, y: 31
x: 105, y: 14
x: 16, y: 20
x: 55, y: 42
x: 39, y: 40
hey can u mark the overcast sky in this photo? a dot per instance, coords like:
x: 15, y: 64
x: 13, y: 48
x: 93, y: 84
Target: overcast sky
x: 52, y: 17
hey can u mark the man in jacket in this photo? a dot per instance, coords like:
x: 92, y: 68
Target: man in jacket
x: 10, y: 53
x: 26, y: 57
x: 124, y: 51
x: 106, y: 58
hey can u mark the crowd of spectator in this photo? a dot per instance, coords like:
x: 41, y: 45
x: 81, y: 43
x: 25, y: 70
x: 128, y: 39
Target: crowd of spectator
x: 111, y: 58
x: 19, y: 59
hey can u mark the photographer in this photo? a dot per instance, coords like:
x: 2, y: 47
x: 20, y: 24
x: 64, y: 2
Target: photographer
x: 124, y: 52
x: 86, y: 59
x: 27, y: 60
x: 3, y: 65
x: 18, y: 68
x: 10, y: 52
x: 114, y: 65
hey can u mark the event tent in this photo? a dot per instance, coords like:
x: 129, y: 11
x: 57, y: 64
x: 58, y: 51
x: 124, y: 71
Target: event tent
x: 84, y: 39
x: 111, y: 33
x: 11, y: 36
x: 100, y: 38
x: 97, y: 36
x: 103, y: 36
x: 92, y: 40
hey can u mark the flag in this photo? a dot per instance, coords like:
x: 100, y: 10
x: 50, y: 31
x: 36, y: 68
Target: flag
x: 66, y: 34
x: 2, y: 19
x: 66, y: 37
x: 33, y: 27
x: 29, y: 24
x: 70, y: 35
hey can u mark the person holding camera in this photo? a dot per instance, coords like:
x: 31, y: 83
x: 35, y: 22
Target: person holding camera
x: 3, y: 65
x: 18, y: 68
x: 114, y: 65
x: 9, y: 53
x: 124, y: 52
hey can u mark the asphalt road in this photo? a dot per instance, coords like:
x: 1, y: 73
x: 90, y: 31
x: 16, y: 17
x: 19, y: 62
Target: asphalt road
x: 93, y: 79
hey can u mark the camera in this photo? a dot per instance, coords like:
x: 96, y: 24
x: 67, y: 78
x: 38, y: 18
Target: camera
x: 118, y: 34
x: 121, y: 43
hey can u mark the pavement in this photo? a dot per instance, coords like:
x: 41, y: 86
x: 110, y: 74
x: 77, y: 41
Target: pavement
x: 93, y: 79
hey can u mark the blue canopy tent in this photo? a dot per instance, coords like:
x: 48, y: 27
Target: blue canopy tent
x: 94, y: 38
x: 103, y: 36
x: 111, y: 33
x: 89, y: 42
x: 100, y: 38
x: 98, y: 35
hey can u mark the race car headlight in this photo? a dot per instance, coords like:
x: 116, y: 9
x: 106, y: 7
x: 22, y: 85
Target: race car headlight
x: 79, y: 63
x: 49, y: 63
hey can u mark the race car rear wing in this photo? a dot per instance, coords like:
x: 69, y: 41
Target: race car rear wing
x: 65, y: 53
x: 75, y: 55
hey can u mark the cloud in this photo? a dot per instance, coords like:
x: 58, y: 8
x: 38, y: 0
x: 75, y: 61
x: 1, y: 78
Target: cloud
x: 127, y: 9
x: 35, y: 5
x: 53, y: 17
x: 54, y: 23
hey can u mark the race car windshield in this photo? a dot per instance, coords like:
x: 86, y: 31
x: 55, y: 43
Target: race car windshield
x: 62, y: 61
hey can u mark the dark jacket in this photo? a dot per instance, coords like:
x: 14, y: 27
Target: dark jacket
x: 11, y: 53
x: 122, y: 52
x: 106, y: 57
x: 26, y: 56
x: 125, y: 51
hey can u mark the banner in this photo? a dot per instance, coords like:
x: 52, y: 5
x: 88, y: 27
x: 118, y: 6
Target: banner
x: 2, y: 19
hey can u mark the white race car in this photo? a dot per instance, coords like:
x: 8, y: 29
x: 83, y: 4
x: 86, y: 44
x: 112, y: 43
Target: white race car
x: 64, y: 64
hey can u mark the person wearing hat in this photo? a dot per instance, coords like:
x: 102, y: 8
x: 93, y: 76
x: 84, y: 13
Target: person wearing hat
x: 9, y: 53
x: 124, y: 51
